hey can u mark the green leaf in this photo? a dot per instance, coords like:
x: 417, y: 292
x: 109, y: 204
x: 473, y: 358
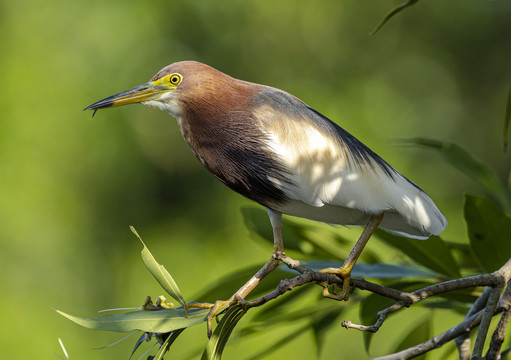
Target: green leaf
x: 472, y: 168
x: 419, y: 334
x: 139, y: 342
x: 119, y: 341
x: 63, y: 350
x: 507, y: 120
x: 160, y: 273
x: 151, y: 321
x: 392, y: 13
x: 464, y: 255
x: 433, y: 253
x: 167, y: 344
x: 216, y: 344
x: 489, y: 231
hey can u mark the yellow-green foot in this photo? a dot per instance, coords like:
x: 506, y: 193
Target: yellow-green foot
x: 345, y: 274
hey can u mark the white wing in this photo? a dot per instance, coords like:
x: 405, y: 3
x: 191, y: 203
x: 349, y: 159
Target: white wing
x: 336, y: 179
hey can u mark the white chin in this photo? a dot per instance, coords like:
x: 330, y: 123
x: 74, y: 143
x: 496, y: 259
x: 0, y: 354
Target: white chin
x: 170, y: 107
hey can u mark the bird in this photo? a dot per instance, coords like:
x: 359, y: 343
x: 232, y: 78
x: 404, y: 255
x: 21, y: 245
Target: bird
x: 276, y: 150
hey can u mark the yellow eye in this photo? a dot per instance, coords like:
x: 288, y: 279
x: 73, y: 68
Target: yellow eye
x: 175, y: 79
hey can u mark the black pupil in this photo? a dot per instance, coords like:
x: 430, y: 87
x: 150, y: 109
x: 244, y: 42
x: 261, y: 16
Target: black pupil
x: 174, y: 79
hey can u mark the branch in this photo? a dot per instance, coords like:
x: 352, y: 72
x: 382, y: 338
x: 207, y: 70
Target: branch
x: 309, y: 276
x: 463, y: 341
x: 487, y: 303
x: 488, y: 313
x: 481, y: 312
x: 500, y: 331
x: 495, y: 279
x: 333, y: 279
x: 421, y: 294
x: 462, y: 328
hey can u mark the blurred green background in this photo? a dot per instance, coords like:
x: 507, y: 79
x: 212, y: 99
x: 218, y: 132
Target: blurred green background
x: 70, y: 185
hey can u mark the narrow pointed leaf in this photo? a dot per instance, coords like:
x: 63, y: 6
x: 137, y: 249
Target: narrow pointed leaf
x: 118, y: 341
x: 151, y: 321
x: 160, y: 273
x: 63, y: 349
x: 147, y: 352
x: 139, y: 342
x: 433, y: 253
x: 464, y: 255
x: 392, y: 13
x: 167, y: 344
x: 489, y: 231
x: 472, y: 168
x: 216, y: 344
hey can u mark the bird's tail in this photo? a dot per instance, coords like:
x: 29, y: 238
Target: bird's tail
x: 421, y: 216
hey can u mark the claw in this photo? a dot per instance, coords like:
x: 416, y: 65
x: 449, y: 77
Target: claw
x: 217, y: 309
x: 345, y: 271
x: 345, y: 274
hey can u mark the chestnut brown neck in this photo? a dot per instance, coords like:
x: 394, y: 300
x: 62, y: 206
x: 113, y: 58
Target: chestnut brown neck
x: 219, y: 128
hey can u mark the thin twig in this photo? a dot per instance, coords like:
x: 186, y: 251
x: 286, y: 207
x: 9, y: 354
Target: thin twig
x: 495, y: 279
x: 463, y: 342
x: 484, y: 308
x: 424, y: 293
x: 488, y: 313
x: 464, y: 327
x: 463, y: 345
x: 501, y: 277
x: 500, y: 332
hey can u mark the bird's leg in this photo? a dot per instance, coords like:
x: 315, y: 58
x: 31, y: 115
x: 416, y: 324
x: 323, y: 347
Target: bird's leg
x: 349, y: 263
x: 272, y: 264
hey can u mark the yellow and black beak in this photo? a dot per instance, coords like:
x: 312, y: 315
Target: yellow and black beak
x: 145, y: 92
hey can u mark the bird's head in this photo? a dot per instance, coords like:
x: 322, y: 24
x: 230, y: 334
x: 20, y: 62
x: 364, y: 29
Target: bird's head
x: 170, y: 89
